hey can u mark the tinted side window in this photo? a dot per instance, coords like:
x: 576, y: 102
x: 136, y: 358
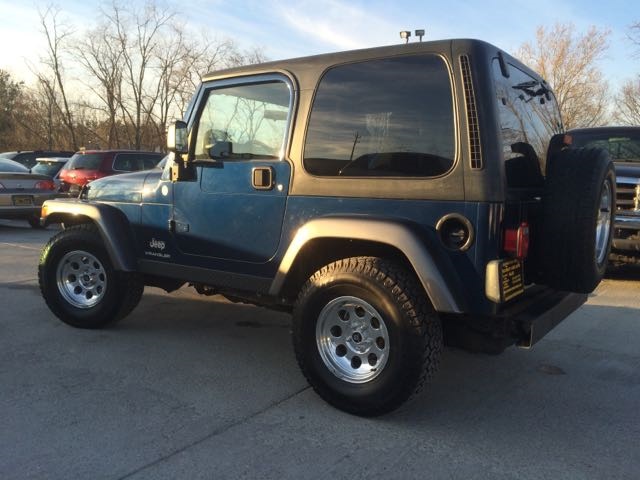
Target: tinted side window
x: 385, y: 117
x: 132, y: 162
x: 126, y: 162
x: 528, y: 120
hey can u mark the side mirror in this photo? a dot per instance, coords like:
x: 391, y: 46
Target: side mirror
x: 177, y: 138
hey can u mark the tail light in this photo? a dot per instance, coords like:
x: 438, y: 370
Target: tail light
x: 516, y: 241
x: 45, y: 185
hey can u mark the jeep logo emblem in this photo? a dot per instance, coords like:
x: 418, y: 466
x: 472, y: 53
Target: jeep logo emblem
x: 159, y: 244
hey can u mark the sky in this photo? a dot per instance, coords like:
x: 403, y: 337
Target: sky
x: 286, y: 29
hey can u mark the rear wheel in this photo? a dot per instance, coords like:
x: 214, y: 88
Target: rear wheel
x: 79, y: 283
x: 365, y: 336
x: 34, y: 221
x: 579, y: 205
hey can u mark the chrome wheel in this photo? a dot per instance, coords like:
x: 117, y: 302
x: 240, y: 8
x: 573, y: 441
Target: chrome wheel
x: 603, y: 223
x: 352, y: 339
x: 81, y: 279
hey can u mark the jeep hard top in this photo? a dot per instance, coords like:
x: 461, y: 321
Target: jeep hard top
x: 391, y: 198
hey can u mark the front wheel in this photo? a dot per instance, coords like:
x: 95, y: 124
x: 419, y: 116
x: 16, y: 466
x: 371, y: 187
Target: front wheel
x: 365, y: 336
x: 78, y: 282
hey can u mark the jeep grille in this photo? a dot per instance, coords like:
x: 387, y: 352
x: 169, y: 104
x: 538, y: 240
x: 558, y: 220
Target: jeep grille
x: 472, y: 114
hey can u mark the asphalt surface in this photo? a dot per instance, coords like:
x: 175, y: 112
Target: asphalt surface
x: 196, y: 387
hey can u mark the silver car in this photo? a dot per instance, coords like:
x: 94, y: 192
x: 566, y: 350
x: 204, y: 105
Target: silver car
x: 22, y: 193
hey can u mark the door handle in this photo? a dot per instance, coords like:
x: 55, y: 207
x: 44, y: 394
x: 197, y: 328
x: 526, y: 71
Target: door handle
x: 262, y: 178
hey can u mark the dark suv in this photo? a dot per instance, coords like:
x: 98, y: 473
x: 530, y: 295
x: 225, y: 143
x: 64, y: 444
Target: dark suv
x: 623, y: 145
x: 89, y: 165
x: 392, y: 199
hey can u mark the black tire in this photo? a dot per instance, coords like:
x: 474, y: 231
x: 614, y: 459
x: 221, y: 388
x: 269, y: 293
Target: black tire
x: 576, y: 181
x: 412, y: 327
x: 35, y: 223
x: 121, y: 292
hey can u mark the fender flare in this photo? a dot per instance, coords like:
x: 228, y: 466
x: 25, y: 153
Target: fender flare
x: 112, y: 224
x: 391, y: 233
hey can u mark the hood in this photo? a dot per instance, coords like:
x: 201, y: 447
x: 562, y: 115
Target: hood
x: 126, y: 187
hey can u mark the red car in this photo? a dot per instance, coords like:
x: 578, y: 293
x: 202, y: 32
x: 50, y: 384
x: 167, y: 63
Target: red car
x: 89, y: 165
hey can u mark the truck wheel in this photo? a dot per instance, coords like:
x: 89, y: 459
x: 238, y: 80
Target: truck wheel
x: 365, y: 336
x: 579, y: 206
x: 78, y: 282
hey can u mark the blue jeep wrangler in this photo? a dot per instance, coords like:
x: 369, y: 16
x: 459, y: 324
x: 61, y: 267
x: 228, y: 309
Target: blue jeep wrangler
x: 393, y: 199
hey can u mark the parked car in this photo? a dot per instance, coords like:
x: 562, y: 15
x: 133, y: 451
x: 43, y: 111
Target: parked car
x: 86, y: 166
x: 383, y: 196
x: 22, y: 193
x: 51, y: 167
x: 28, y: 158
x: 623, y: 145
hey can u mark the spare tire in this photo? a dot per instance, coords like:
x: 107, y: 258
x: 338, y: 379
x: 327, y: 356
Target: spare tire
x: 578, y: 214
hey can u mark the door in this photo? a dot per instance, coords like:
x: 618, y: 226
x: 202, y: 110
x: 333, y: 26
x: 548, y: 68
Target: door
x: 234, y: 208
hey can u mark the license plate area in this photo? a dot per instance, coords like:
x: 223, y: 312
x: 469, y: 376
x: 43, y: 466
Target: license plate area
x: 22, y: 200
x: 511, y: 279
x: 504, y: 280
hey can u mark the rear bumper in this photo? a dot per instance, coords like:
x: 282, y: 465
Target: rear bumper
x: 523, y: 321
x: 541, y: 315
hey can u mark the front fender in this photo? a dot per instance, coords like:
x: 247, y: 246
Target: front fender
x: 393, y: 234
x: 112, y: 224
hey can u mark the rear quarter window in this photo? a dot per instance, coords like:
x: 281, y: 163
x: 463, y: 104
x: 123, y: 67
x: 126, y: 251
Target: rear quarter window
x: 389, y: 117
x: 528, y: 119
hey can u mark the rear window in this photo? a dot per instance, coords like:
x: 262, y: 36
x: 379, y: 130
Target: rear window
x: 85, y: 161
x: 132, y: 162
x: 624, y: 147
x: 47, y: 168
x: 389, y: 117
x: 7, y: 165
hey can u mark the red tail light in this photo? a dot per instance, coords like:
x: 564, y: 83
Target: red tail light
x: 45, y: 185
x: 516, y: 241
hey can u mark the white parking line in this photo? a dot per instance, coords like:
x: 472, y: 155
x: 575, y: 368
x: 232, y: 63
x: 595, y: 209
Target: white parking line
x: 20, y: 246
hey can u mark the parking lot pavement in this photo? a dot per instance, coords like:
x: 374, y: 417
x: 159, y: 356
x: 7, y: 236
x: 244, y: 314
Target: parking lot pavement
x: 195, y: 387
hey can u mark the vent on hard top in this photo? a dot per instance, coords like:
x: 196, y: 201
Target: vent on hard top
x: 475, y: 153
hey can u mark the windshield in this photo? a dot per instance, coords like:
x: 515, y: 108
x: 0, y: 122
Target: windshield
x: 47, y: 168
x: 84, y: 161
x: 622, y: 148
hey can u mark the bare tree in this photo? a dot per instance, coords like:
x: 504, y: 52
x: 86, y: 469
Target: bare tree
x: 57, y: 36
x: 628, y: 103
x: 99, y: 53
x: 138, y: 52
x: 569, y: 62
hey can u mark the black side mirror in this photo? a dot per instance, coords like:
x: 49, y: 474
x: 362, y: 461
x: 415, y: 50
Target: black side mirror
x: 177, y: 138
